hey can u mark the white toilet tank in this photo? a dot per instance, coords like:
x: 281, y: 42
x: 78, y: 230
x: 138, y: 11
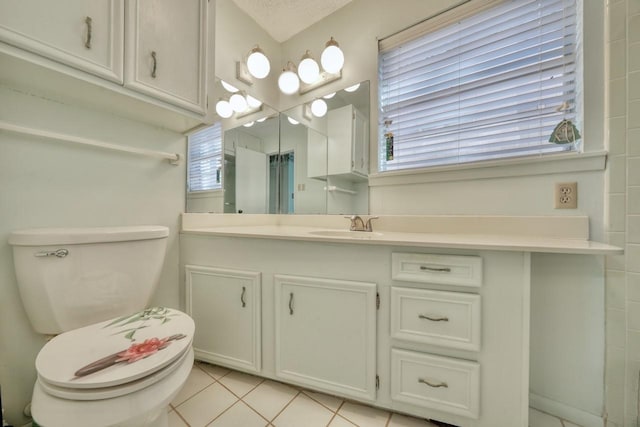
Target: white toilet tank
x: 73, y: 277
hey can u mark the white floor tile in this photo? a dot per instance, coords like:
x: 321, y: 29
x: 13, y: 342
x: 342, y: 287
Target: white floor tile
x: 540, y: 419
x: 239, y: 415
x: 213, y: 370
x: 240, y: 383
x: 270, y: 397
x: 364, y: 415
x: 338, y: 421
x: 202, y: 408
x: 330, y: 402
x: 197, y: 381
x: 303, y: 411
x: 398, y: 420
x: 175, y: 420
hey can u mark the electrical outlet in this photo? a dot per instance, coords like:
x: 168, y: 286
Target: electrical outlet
x: 566, y: 195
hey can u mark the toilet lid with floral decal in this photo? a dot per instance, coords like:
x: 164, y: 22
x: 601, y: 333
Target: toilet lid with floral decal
x: 117, y: 351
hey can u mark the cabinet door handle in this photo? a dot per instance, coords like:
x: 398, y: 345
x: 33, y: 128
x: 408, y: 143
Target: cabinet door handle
x: 87, y: 42
x: 434, y: 385
x: 154, y: 67
x: 291, y: 304
x: 438, y: 269
x: 244, y: 304
x: 434, y: 319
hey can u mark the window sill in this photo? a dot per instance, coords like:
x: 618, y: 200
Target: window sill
x: 204, y: 194
x: 551, y: 164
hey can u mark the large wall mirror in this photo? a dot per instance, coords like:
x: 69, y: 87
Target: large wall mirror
x: 294, y: 162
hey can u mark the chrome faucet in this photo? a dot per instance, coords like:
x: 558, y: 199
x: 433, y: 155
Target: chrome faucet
x: 358, y: 224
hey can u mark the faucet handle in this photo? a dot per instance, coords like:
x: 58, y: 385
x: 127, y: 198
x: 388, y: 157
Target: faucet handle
x: 369, y: 226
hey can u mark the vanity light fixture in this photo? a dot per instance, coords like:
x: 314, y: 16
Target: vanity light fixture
x: 238, y: 102
x: 253, y: 102
x: 308, y: 69
x: 288, y: 82
x: 258, y: 64
x: 352, y: 88
x: 228, y: 87
x: 332, y: 58
x: 319, y: 108
x: 224, y: 109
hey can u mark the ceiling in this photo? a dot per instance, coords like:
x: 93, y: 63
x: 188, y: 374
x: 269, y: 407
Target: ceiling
x: 284, y: 18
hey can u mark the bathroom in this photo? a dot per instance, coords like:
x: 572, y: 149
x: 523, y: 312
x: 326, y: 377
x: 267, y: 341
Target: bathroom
x: 585, y: 333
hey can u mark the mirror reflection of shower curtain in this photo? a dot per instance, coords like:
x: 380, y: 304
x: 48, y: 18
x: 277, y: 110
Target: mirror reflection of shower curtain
x: 281, y: 183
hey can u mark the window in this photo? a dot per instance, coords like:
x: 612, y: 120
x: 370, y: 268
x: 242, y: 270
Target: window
x: 205, y: 159
x: 487, y: 85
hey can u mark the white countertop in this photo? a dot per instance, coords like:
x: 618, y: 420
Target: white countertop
x: 524, y: 234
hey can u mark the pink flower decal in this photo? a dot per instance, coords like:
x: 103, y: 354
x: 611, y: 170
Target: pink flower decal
x: 142, y: 350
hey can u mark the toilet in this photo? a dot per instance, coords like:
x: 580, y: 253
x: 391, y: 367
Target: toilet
x: 113, y: 361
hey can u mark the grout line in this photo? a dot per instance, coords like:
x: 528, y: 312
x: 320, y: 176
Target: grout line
x: 175, y: 408
x: 285, y: 407
x: 320, y: 403
x: 259, y: 413
x: 220, y: 414
x: 389, y: 419
x: 240, y: 397
x: 182, y: 418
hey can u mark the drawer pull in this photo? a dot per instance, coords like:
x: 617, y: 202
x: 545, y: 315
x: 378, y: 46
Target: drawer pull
x: 434, y: 319
x: 155, y: 64
x: 436, y: 269
x: 244, y: 290
x: 430, y: 384
x: 291, y: 304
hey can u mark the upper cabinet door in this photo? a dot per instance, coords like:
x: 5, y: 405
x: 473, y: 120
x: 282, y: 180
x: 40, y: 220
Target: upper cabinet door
x: 84, y: 34
x: 167, y: 51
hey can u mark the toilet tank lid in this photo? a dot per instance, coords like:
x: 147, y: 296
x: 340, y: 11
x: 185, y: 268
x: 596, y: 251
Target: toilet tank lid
x: 68, y: 236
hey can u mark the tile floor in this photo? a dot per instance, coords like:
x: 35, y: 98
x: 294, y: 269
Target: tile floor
x: 218, y: 397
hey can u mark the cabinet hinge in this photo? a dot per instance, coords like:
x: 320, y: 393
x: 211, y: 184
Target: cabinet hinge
x: 377, y: 382
x: 377, y: 301
x: 207, y: 101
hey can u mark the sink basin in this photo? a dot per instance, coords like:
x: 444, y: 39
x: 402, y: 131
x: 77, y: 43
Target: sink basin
x: 346, y: 233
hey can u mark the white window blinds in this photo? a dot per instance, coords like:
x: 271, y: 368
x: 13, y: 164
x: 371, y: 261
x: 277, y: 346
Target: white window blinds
x: 481, y: 87
x: 205, y: 159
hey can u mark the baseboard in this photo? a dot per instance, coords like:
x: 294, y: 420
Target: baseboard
x: 566, y: 412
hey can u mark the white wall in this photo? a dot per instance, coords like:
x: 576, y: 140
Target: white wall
x: 47, y: 183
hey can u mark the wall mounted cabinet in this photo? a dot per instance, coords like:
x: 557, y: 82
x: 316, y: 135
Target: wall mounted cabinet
x: 348, y: 143
x: 152, y: 50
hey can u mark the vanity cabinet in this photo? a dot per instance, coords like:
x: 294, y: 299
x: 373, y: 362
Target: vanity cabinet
x: 347, y: 143
x: 167, y: 56
x: 226, y: 305
x: 84, y: 34
x: 154, y: 50
x: 325, y: 334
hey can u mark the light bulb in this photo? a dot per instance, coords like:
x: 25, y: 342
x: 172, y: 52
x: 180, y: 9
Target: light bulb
x: 238, y: 103
x: 258, y: 63
x: 288, y: 81
x: 329, y: 95
x: 352, y: 88
x: 261, y: 120
x: 228, y: 87
x: 308, y: 69
x: 292, y: 121
x: 253, y: 102
x: 224, y: 109
x: 332, y: 58
x: 319, y: 108
x: 248, y: 124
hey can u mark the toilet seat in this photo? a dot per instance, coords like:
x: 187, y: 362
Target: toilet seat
x: 61, y: 358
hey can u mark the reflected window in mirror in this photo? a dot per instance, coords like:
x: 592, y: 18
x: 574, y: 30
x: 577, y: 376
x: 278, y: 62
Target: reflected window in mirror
x: 204, y: 170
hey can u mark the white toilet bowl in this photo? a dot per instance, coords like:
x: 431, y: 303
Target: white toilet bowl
x: 121, y: 394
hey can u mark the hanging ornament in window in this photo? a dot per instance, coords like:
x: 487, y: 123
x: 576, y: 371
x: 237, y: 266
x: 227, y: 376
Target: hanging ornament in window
x: 388, y: 139
x: 565, y: 132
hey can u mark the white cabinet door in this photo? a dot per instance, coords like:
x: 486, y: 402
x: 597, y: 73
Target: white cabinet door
x: 225, y: 305
x: 167, y: 51
x: 348, y: 149
x: 326, y: 334
x: 84, y: 34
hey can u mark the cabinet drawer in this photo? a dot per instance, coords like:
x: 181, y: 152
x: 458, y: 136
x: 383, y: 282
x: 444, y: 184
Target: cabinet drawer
x: 458, y: 270
x: 448, y: 319
x: 441, y: 383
